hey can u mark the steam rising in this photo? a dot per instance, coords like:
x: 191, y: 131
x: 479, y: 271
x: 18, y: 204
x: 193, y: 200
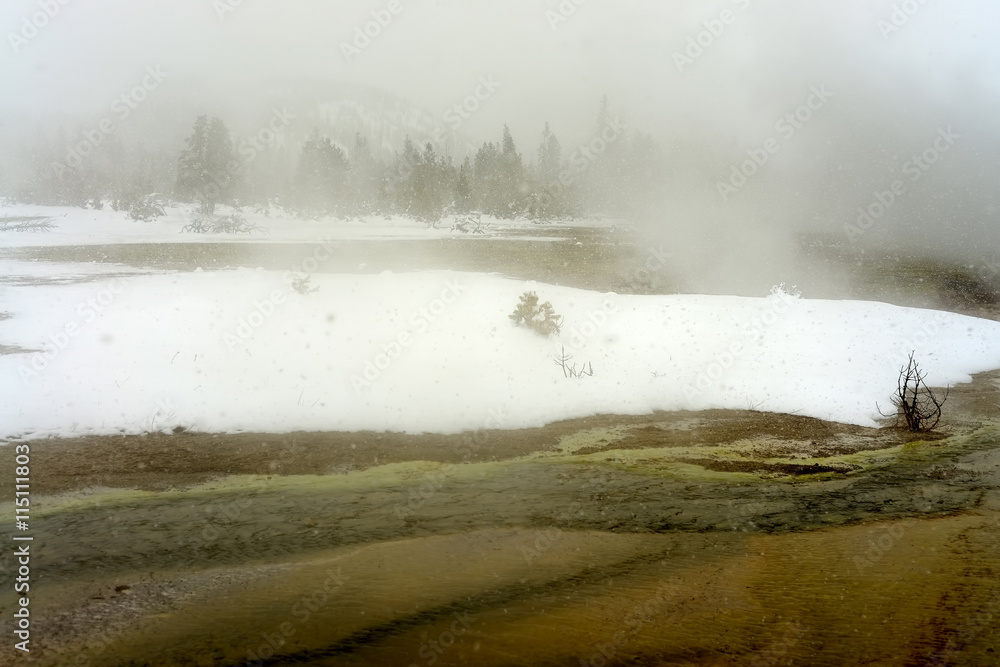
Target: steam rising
x: 708, y: 82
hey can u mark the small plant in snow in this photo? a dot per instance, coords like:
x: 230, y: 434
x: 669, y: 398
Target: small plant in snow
x: 470, y: 223
x: 571, y: 371
x: 541, y: 319
x: 264, y: 207
x: 140, y: 207
x: 302, y: 285
x: 226, y: 224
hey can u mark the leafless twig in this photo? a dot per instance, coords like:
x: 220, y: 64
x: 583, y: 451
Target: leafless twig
x: 916, y: 405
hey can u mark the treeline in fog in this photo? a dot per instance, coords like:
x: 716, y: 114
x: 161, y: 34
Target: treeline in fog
x: 313, y: 175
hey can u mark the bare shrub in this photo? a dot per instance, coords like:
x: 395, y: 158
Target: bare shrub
x: 139, y: 207
x: 917, y: 408
x: 571, y: 371
x: 26, y: 224
x: 234, y: 223
x: 470, y: 223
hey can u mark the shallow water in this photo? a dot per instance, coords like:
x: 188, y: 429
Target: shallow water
x: 564, y: 556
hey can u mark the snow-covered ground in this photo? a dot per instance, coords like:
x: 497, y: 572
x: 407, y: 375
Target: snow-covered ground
x: 76, y: 226
x: 435, y: 351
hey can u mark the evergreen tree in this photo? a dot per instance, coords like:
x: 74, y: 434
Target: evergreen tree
x: 417, y: 181
x: 606, y: 177
x: 53, y: 180
x: 509, y: 149
x: 208, y: 171
x: 463, y: 187
x: 400, y: 181
x: 547, y: 197
x: 549, y: 157
x: 512, y: 186
x: 364, y: 180
x: 321, y: 176
x: 487, y: 162
x: 603, y: 115
x: 486, y: 189
x: 192, y: 167
x: 429, y: 186
x: 499, y: 186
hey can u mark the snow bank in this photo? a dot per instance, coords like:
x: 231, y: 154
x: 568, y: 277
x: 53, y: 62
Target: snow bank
x: 435, y: 352
x: 76, y: 226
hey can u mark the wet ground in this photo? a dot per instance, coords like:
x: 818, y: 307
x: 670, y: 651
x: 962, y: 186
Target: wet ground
x: 585, y: 257
x: 725, y: 538
x: 711, y: 538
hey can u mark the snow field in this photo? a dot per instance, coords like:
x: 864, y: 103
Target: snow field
x: 435, y: 351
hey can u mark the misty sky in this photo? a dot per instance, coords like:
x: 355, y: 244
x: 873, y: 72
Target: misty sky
x: 433, y: 52
x: 894, y: 86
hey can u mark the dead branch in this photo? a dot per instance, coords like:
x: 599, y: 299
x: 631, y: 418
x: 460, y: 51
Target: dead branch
x: 917, y: 407
x: 571, y: 371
